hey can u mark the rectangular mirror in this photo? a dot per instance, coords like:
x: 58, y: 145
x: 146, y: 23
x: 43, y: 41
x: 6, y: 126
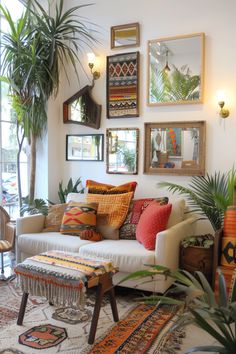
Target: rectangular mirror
x: 176, y: 70
x: 83, y: 147
x: 122, y: 150
x: 125, y: 36
x: 175, y: 148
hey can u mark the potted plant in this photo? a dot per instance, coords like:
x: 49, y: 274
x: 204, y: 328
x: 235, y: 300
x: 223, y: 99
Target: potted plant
x: 217, y: 317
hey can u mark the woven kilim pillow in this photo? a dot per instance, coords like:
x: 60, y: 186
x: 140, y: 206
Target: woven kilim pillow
x: 102, y: 188
x: 79, y: 217
x: 54, y: 217
x: 137, y: 207
x: 112, y: 211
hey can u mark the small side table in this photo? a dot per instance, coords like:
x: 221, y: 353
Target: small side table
x: 67, y: 272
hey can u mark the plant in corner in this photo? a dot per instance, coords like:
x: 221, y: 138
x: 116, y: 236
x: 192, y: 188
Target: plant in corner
x: 209, y: 196
x: 200, y: 307
x: 34, y: 52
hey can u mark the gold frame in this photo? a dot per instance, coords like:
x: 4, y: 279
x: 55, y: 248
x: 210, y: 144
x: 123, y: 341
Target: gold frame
x: 110, y: 151
x: 202, y: 71
x: 125, y: 27
x: 189, y: 170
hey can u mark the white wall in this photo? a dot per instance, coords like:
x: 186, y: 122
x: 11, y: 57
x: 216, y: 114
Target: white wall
x: 157, y: 18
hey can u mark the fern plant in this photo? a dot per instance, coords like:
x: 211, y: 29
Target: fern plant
x: 209, y: 196
x: 36, y: 206
x: 200, y: 307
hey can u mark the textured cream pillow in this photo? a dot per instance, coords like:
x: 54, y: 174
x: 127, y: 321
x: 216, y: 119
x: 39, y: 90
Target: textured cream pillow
x: 112, y: 211
x: 177, y: 213
x: 54, y: 217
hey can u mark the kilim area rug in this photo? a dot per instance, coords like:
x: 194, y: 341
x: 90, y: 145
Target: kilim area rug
x: 46, y: 329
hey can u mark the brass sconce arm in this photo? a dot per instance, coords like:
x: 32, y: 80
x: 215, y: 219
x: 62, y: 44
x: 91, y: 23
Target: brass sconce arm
x: 224, y: 112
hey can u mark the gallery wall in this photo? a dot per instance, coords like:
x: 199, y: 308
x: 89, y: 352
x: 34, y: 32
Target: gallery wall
x: 157, y: 19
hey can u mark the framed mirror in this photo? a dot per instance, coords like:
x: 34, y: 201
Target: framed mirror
x: 122, y: 150
x: 124, y: 36
x: 85, y: 147
x: 82, y: 109
x: 175, y: 148
x: 176, y: 70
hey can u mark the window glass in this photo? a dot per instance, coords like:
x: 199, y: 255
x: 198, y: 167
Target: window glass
x: 8, y: 136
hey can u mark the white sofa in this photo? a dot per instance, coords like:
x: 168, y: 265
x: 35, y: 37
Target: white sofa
x: 128, y: 255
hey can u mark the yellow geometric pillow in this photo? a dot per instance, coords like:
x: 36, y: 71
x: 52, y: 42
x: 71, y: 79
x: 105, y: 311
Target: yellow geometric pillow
x: 79, y: 217
x: 111, y: 213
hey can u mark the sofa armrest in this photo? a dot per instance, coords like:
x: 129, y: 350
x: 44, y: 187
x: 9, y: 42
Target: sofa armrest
x: 168, y: 242
x: 30, y: 224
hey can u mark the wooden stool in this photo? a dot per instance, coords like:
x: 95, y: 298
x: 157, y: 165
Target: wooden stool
x: 99, y: 277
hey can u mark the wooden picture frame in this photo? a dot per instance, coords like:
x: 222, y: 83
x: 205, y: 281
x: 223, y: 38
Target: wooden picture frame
x: 176, y: 70
x: 85, y: 147
x: 187, y: 155
x: 122, y: 150
x: 123, y: 85
x: 124, y: 36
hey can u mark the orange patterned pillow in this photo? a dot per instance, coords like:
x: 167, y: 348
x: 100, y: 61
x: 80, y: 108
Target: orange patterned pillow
x: 79, y: 217
x: 102, y: 188
x: 112, y: 211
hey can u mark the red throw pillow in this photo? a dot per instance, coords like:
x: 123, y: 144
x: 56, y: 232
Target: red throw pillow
x: 153, y: 220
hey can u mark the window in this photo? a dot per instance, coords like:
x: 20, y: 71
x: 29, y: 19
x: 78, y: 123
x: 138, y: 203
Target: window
x: 8, y: 137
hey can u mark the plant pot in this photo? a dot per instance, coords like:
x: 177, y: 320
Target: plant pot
x: 193, y: 258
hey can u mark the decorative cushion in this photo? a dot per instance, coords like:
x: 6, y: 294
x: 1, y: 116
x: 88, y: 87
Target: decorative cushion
x: 75, y: 197
x: 79, y: 217
x: 153, y: 220
x: 230, y: 222
x: 128, y: 229
x: 54, y: 217
x: 102, y: 188
x: 112, y: 211
x: 177, y: 213
x: 90, y: 235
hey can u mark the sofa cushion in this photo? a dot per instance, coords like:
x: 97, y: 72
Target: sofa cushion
x: 54, y: 217
x: 102, y: 188
x: 128, y: 229
x: 78, y: 217
x: 41, y: 242
x: 127, y: 255
x: 75, y: 197
x: 153, y: 220
x: 112, y: 211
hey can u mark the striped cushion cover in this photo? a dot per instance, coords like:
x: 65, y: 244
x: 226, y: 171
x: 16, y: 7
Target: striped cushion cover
x: 102, y: 188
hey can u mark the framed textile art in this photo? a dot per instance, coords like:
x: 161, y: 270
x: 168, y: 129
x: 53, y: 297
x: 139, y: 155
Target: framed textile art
x: 122, y: 85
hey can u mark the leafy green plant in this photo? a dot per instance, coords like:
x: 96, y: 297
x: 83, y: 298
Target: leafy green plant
x: 209, y: 196
x: 37, y: 206
x: 200, y: 307
x: 205, y: 241
x: 70, y: 188
x: 34, y: 52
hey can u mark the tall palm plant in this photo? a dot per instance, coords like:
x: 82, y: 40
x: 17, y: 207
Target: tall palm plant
x: 210, y: 196
x: 34, y: 51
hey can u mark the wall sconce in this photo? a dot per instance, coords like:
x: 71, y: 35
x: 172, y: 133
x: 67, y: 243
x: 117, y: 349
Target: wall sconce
x: 91, y: 63
x: 224, y: 112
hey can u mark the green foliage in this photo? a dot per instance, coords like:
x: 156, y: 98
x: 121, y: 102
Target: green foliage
x: 209, y: 196
x: 37, y: 206
x: 70, y: 188
x: 205, y: 241
x: 177, y: 85
x: 200, y: 307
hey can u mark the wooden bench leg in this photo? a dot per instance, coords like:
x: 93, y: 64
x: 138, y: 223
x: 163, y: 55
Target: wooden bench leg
x: 96, y: 312
x: 111, y: 293
x: 105, y: 285
x: 22, y: 308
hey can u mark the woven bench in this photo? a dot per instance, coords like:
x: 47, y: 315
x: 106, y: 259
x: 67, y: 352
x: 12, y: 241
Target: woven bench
x: 63, y: 278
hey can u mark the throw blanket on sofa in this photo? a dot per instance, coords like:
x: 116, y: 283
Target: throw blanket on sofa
x: 60, y: 276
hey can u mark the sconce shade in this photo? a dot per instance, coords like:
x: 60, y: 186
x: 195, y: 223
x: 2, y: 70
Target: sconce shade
x: 91, y: 58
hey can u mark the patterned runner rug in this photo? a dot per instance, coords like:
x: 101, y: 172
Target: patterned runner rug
x: 142, y: 328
